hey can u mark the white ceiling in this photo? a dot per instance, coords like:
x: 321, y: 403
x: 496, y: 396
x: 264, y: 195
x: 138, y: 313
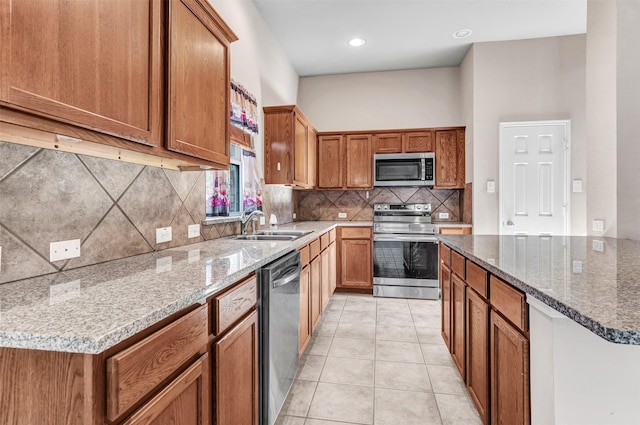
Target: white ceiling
x: 407, y: 34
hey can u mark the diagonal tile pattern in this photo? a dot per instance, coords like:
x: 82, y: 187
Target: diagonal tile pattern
x: 360, y: 369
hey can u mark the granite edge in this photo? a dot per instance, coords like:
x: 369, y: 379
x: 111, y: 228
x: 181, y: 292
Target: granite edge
x: 609, y: 334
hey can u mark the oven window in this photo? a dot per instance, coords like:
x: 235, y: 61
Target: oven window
x: 405, y: 260
x: 398, y: 169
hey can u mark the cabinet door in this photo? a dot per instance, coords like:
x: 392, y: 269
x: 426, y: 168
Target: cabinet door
x: 184, y: 401
x: 355, y: 263
x: 359, y: 162
x: 330, y: 162
x: 300, y: 152
x: 445, y: 283
x: 388, y: 143
x: 418, y: 141
x: 450, y: 159
x: 477, y: 343
x: 316, y: 291
x: 458, y: 322
x: 92, y: 63
x: 325, y: 278
x: 312, y: 160
x: 198, y: 74
x: 305, y: 318
x: 236, y: 381
x: 509, y: 374
x: 332, y: 267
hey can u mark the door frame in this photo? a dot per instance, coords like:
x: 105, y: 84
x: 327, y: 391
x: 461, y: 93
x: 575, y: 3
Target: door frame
x: 567, y: 166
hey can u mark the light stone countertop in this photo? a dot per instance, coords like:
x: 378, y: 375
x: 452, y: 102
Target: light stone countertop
x: 90, y: 309
x: 593, y: 281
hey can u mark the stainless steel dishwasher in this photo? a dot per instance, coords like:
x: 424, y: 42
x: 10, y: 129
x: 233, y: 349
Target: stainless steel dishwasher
x: 279, y: 333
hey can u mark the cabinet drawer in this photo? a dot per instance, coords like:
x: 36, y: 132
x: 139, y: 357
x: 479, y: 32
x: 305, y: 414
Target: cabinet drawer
x: 314, y: 249
x: 457, y: 264
x: 136, y: 371
x: 445, y: 255
x: 477, y: 278
x: 355, y: 232
x: 324, y: 241
x: 233, y: 304
x: 332, y: 236
x: 509, y: 302
x: 304, y: 255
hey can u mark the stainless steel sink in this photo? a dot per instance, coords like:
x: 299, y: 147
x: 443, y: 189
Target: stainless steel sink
x: 263, y: 237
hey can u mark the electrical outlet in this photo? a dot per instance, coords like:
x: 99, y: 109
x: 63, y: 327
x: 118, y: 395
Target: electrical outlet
x: 342, y: 215
x: 598, y: 225
x: 64, y: 250
x: 443, y: 215
x: 577, y: 266
x: 263, y: 220
x: 598, y: 246
x: 163, y: 234
x: 193, y: 231
x: 294, y: 216
x: 491, y: 186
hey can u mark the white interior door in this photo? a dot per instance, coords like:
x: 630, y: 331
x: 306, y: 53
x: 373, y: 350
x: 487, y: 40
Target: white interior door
x: 534, y: 178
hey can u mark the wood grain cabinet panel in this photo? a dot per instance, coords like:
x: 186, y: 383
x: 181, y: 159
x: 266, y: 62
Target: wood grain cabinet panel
x: 477, y: 278
x: 449, y: 150
x: 510, y: 302
x: 457, y: 264
x: 465, y: 230
x: 305, y: 312
x: 332, y: 267
x: 136, y: 371
x: 387, y: 143
x: 445, y: 284
x: 359, y: 161
x: 417, y: 141
x: 97, y: 65
x: 316, y: 291
x: 184, y: 401
x: 198, y: 81
x: 477, y: 353
x: 458, y: 323
x: 330, y: 162
x: 231, y: 305
x: 236, y: 374
x: 301, y: 152
x: 325, y: 279
x: 509, y: 374
x: 355, y: 269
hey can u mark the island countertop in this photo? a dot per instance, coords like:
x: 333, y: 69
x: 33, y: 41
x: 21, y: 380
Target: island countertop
x: 90, y: 309
x: 594, y: 281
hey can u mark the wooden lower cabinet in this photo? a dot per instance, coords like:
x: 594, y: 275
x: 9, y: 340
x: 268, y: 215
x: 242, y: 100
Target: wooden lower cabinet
x: 509, y: 374
x: 236, y: 374
x: 458, y: 293
x: 477, y: 352
x: 455, y: 230
x: 445, y: 283
x: 185, y: 401
x: 356, y: 263
x: 305, y: 304
x: 316, y: 292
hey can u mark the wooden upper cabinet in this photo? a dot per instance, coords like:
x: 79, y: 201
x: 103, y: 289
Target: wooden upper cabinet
x: 330, y: 162
x: 290, y: 147
x: 199, y: 79
x: 359, y: 161
x: 417, y: 141
x: 450, y: 160
x: 92, y: 63
x: 387, y: 143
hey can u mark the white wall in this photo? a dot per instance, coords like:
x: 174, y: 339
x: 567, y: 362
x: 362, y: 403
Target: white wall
x: 382, y: 100
x: 257, y: 61
x: 467, y: 100
x: 601, y: 114
x: 628, y: 120
x: 525, y: 80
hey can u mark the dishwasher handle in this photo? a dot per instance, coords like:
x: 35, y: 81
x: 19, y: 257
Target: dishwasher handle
x: 291, y: 274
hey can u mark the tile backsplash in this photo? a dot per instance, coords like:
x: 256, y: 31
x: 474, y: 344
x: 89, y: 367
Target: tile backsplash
x: 358, y: 204
x: 113, y: 207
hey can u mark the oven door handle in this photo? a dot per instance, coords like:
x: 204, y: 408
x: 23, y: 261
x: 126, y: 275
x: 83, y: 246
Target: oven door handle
x: 404, y: 238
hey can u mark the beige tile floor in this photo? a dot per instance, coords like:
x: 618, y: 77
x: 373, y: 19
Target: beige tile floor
x: 378, y: 361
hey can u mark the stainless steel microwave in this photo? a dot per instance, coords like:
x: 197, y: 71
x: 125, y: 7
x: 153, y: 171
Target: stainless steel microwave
x: 404, y: 169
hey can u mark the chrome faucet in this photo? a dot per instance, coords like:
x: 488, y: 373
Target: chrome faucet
x: 250, y: 217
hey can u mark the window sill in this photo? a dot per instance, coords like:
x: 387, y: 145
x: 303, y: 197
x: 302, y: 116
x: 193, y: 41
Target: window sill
x: 210, y: 221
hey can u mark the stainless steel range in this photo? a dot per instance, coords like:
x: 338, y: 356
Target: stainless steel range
x: 405, y: 252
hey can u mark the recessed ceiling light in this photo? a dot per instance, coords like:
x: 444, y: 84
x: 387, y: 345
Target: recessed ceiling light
x: 357, y: 42
x: 462, y: 33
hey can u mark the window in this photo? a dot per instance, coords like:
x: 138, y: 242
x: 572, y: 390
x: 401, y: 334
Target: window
x: 229, y: 192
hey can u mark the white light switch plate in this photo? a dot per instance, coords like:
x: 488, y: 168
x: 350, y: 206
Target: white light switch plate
x: 294, y: 216
x: 443, y: 215
x: 263, y: 220
x: 598, y: 225
x: 577, y: 266
x: 193, y: 230
x: 491, y: 186
x: 163, y: 234
x: 342, y: 215
x: 577, y: 186
x: 64, y: 250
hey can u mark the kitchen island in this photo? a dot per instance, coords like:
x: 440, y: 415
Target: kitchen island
x: 583, y: 296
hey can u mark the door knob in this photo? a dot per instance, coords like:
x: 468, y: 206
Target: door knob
x: 510, y: 223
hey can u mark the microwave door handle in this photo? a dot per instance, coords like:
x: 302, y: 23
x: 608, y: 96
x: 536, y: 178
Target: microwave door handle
x: 423, y: 169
